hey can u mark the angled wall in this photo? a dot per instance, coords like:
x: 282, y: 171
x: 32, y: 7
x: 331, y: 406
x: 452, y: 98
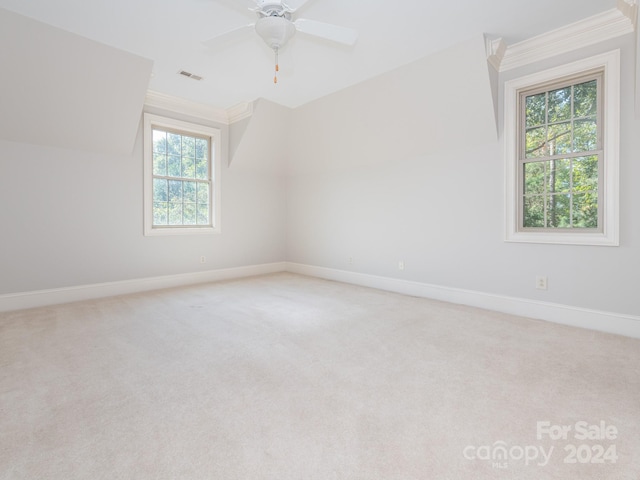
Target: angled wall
x: 261, y: 142
x: 63, y: 90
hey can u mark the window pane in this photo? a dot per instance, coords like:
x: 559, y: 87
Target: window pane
x: 202, y: 169
x: 559, y: 139
x: 174, y: 144
x: 535, y: 110
x: 585, y: 210
x: 203, y: 214
x: 189, y: 214
x: 585, y: 136
x: 159, y: 164
x: 585, y: 99
x: 159, y: 141
x: 534, y: 177
x: 559, y: 157
x: 189, y: 147
x: 203, y: 193
x: 535, y: 142
x: 559, y: 176
x: 188, y: 167
x: 560, y: 105
x: 160, y: 216
x: 174, y: 166
x: 534, y: 211
x: 175, y: 191
x: 189, y: 191
x: 202, y: 149
x: 175, y: 214
x: 558, y: 211
x: 585, y: 174
x: 160, y: 193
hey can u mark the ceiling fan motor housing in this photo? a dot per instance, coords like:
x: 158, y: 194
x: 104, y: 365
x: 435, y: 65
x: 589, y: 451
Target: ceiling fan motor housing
x: 275, y: 30
x: 273, y: 9
x: 275, y: 25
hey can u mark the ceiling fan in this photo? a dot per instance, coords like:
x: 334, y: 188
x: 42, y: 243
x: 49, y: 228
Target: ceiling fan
x: 275, y: 25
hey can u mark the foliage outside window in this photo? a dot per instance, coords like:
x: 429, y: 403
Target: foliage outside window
x: 180, y: 177
x: 561, y: 156
x: 561, y: 131
x: 181, y: 181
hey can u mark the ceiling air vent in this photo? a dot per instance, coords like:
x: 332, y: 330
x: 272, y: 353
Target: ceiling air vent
x: 189, y: 75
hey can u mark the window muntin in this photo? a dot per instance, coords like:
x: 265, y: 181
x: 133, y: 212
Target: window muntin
x: 561, y: 156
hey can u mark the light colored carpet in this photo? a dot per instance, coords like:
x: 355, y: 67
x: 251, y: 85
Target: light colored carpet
x: 289, y: 377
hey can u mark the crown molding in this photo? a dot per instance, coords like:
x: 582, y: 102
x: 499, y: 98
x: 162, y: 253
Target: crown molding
x: 240, y: 112
x: 598, y: 28
x: 629, y: 8
x: 495, y: 51
x: 207, y: 112
x: 186, y: 107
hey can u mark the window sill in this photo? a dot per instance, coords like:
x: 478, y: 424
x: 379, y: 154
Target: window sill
x: 158, y: 232
x: 562, y: 238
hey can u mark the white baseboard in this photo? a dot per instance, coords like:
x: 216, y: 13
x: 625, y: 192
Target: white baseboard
x: 620, y: 324
x: 40, y: 298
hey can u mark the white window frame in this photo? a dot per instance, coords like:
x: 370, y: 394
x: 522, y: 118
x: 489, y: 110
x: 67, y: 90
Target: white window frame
x: 214, y: 135
x: 609, y: 183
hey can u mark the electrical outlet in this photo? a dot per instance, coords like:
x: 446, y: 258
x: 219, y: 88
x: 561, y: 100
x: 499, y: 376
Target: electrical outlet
x: 401, y: 265
x: 350, y: 260
x: 203, y: 259
x: 541, y: 282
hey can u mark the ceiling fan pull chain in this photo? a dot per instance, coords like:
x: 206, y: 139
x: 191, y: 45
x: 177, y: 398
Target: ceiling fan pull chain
x: 275, y: 77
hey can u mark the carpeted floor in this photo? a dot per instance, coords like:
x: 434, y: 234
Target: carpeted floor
x: 289, y: 377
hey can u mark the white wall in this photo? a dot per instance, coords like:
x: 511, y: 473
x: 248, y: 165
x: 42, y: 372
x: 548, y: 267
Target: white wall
x: 406, y: 166
x: 434, y: 198
x: 72, y: 218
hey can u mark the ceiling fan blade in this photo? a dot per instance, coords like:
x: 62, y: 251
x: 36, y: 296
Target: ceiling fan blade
x: 252, y: 5
x: 241, y: 5
x: 230, y: 36
x: 343, y: 35
x: 296, y: 5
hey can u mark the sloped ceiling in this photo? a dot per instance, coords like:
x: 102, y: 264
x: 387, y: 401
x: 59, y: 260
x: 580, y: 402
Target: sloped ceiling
x: 62, y: 90
x: 391, y: 34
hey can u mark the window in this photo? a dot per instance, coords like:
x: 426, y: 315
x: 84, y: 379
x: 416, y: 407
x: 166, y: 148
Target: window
x: 561, y: 138
x: 560, y: 155
x: 182, y: 194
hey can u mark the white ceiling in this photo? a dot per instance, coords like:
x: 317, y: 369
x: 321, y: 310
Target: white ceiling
x: 391, y: 34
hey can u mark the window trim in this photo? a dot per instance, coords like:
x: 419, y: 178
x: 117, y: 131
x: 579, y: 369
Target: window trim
x: 609, y: 183
x: 152, y: 120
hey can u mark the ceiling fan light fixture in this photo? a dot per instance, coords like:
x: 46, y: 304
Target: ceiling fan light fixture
x: 275, y: 31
